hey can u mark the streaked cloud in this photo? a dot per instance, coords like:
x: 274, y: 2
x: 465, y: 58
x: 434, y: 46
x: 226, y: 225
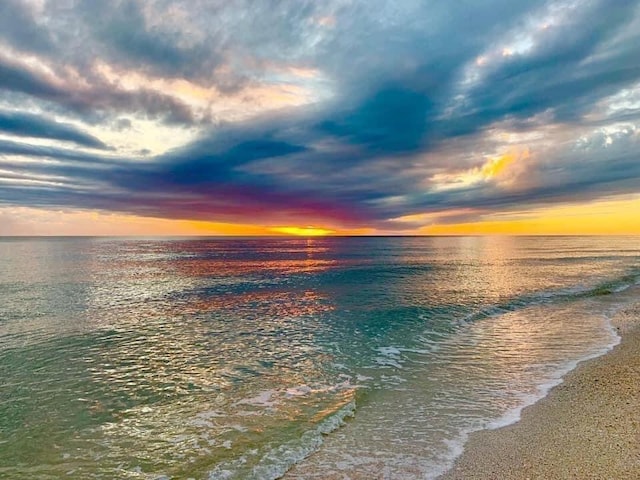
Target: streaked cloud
x: 332, y: 116
x: 28, y: 125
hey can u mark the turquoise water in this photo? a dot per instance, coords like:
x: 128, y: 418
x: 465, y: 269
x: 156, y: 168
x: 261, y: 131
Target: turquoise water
x: 308, y: 358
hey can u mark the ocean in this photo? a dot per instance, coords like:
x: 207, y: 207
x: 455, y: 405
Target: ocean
x: 262, y: 358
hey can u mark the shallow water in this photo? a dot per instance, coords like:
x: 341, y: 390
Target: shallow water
x: 242, y: 358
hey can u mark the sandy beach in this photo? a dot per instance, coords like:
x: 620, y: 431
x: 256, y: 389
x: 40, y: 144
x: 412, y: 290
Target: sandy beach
x: 586, y: 428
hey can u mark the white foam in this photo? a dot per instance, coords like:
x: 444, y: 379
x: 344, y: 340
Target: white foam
x: 210, y: 414
x: 387, y: 362
x: 200, y: 422
x: 299, y: 391
x: 263, y: 399
x: 389, y: 351
x: 514, y: 415
x: 277, y: 461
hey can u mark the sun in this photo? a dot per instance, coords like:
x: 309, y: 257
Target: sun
x: 308, y: 231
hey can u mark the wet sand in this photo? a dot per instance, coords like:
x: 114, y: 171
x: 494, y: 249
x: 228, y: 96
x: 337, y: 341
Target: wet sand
x: 586, y: 428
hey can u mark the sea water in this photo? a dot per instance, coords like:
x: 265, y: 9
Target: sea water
x: 258, y: 358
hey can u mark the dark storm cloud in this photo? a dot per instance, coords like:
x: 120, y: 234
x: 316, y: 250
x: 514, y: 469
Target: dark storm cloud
x: 403, y: 109
x: 392, y: 120
x: 14, y: 78
x: 8, y: 147
x: 27, y: 125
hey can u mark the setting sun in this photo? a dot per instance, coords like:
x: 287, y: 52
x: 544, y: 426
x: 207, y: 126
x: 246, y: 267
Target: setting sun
x: 307, y: 231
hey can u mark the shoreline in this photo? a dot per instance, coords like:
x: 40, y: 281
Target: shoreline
x: 588, y: 426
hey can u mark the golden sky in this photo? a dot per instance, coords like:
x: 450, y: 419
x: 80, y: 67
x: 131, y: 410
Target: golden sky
x: 607, y: 217
x: 332, y: 118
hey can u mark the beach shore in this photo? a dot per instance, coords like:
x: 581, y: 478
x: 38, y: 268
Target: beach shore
x: 588, y: 427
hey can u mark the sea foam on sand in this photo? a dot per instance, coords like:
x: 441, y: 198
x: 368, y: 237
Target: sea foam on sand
x: 587, y: 427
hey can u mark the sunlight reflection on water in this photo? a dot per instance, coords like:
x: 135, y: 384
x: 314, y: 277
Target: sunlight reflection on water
x: 140, y: 358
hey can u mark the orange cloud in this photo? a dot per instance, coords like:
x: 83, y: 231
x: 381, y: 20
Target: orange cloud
x: 496, y: 166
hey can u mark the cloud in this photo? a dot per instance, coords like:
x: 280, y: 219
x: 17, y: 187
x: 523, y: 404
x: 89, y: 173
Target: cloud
x: 28, y: 125
x: 19, y: 27
x: 93, y: 100
x: 9, y: 147
x: 14, y: 78
x: 414, y: 107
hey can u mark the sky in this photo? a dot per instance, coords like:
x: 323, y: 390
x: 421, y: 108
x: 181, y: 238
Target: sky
x: 305, y: 117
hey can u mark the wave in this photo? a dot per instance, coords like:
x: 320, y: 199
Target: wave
x: 569, y: 294
x: 279, y: 459
x: 513, y: 415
